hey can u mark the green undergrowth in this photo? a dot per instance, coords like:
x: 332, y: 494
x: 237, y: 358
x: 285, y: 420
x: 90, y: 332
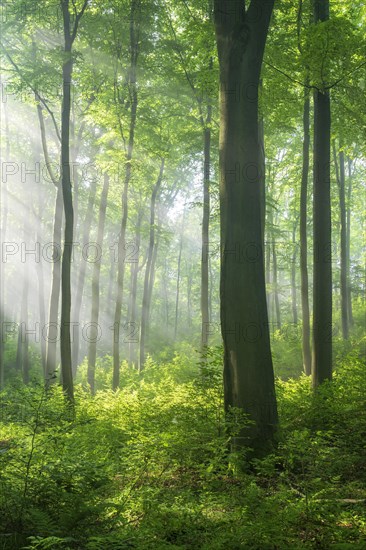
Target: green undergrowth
x: 148, y: 466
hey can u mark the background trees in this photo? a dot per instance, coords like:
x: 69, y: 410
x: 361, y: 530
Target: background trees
x: 144, y: 94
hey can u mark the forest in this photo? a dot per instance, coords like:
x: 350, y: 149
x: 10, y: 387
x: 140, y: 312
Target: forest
x: 183, y: 274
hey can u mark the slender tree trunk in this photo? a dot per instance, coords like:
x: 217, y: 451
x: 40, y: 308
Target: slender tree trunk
x: 24, y: 327
x: 322, y: 302
x: 134, y: 47
x: 52, y: 326
x: 306, y: 351
x: 178, y: 279
x: 67, y: 67
x: 248, y: 370
x: 166, y: 294
x: 341, y: 180
x: 111, y: 283
x: 293, y: 276
x: 189, y: 297
x: 81, y: 278
x: 349, y: 196
x: 94, y: 334
x: 133, y: 359
x: 152, y: 273
x: 3, y: 229
x: 23, y: 348
x: 205, y: 314
x: 148, y: 273
x: 39, y: 271
x: 262, y: 173
x: 275, y: 286
x: 52, y: 329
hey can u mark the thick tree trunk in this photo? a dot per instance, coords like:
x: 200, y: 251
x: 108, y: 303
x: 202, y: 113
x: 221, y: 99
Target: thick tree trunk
x: 76, y: 311
x: 134, y: 47
x: 322, y: 286
x: 306, y: 351
x: 94, y: 328
x: 148, y: 270
x: 248, y: 370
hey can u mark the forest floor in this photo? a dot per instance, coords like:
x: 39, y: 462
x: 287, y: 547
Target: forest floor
x: 147, y: 467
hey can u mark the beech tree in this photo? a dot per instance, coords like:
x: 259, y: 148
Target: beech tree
x: 241, y: 34
x: 322, y: 286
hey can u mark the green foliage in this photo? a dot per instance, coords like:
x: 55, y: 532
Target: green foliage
x: 148, y: 466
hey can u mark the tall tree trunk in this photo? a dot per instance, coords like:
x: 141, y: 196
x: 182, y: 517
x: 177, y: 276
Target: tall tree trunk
x: 306, y: 351
x: 23, y: 348
x: 52, y: 329
x: 152, y: 272
x: 148, y: 273
x: 111, y: 283
x: 81, y: 278
x: 275, y: 286
x: 322, y: 287
x: 248, y: 370
x: 165, y: 281
x: 52, y: 326
x: 178, y: 277
x: 39, y: 270
x: 133, y: 359
x: 262, y: 173
x: 205, y: 314
x: 189, y: 296
x: 3, y: 229
x: 67, y: 67
x: 349, y: 196
x: 134, y: 47
x: 293, y: 275
x: 94, y: 333
x: 341, y: 180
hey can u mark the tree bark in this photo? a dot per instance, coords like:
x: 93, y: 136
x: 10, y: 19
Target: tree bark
x: 148, y: 271
x: 276, y: 297
x: 178, y: 278
x: 3, y: 229
x: 322, y: 286
x: 349, y: 196
x: 248, y: 370
x: 306, y: 351
x: 81, y: 278
x: 94, y: 332
x: 133, y: 357
x: 205, y: 314
x: 67, y: 67
x: 341, y: 180
x: 132, y: 79
x: 52, y: 329
x: 293, y: 275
